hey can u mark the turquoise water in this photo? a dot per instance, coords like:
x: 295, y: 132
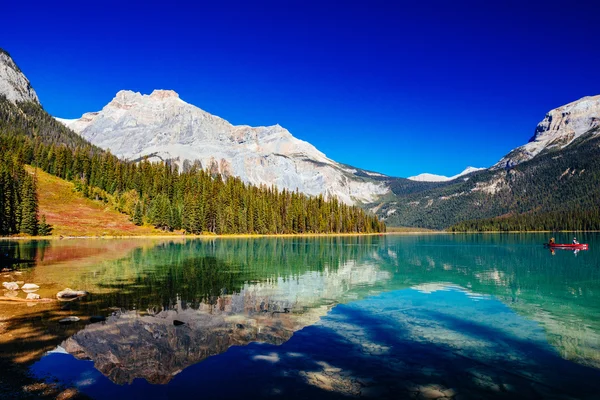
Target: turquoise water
x: 473, y: 316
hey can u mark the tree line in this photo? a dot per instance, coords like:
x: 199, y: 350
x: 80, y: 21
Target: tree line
x: 160, y: 194
x: 18, y: 200
x: 569, y: 220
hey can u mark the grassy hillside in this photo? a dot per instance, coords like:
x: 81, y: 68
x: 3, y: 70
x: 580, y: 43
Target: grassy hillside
x: 70, y: 214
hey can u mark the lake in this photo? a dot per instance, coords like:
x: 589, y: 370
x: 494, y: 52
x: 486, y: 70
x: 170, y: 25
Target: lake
x: 394, y: 316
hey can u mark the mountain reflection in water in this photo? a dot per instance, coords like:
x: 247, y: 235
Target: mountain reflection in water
x: 133, y: 344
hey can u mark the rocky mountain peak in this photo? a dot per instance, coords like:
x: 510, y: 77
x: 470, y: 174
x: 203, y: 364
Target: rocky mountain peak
x: 13, y: 83
x: 570, y: 120
x: 559, y: 128
x: 164, y: 94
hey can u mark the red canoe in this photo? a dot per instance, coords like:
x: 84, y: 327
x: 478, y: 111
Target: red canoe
x: 580, y: 246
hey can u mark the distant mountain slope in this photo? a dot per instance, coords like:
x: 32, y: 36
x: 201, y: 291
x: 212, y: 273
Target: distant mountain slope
x: 162, y: 126
x: 559, y: 169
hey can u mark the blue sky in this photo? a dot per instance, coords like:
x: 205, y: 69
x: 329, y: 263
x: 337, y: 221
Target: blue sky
x: 399, y: 87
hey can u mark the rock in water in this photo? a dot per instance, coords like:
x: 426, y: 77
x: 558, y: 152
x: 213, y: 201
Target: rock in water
x: 10, y: 285
x: 70, y: 294
x: 69, y: 320
x: 33, y: 296
x: 29, y: 287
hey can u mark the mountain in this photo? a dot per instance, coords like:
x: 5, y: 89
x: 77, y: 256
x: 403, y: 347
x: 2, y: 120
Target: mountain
x: 192, y: 200
x: 425, y: 177
x: 161, y: 126
x: 13, y: 83
x: 557, y: 171
x: 561, y: 127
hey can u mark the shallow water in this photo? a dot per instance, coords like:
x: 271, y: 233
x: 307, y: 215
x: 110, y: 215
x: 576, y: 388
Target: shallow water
x: 455, y: 316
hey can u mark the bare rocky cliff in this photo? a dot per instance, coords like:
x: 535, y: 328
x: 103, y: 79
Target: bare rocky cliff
x: 559, y: 128
x: 13, y: 83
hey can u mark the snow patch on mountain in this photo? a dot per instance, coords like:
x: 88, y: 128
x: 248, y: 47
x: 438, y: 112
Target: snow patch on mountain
x: 425, y: 177
x: 65, y: 121
x: 162, y: 126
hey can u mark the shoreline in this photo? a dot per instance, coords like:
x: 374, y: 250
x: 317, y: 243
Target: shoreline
x: 181, y: 236
x: 277, y: 235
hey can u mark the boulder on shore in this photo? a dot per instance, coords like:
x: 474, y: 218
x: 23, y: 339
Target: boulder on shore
x: 70, y: 294
x: 10, y: 285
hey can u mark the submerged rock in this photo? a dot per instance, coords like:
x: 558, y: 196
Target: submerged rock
x: 69, y: 320
x: 33, y: 296
x: 70, y: 294
x: 10, y: 285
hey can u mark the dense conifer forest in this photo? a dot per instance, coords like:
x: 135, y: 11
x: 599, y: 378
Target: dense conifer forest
x: 565, y: 220
x: 194, y: 200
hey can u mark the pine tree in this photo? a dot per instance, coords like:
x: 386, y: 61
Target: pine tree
x: 29, y: 206
x: 44, y: 229
x: 137, y: 214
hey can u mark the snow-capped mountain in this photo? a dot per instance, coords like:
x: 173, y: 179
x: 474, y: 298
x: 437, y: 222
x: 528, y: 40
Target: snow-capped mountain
x: 13, y: 83
x: 557, y: 130
x: 425, y: 177
x: 162, y: 126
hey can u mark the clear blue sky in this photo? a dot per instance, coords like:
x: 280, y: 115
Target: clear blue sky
x: 399, y: 87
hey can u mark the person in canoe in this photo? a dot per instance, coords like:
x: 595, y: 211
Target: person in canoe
x: 575, y: 241
x: 551, y: 242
